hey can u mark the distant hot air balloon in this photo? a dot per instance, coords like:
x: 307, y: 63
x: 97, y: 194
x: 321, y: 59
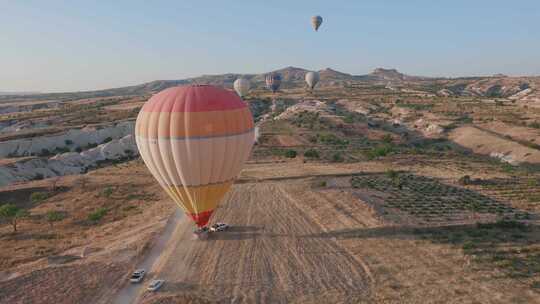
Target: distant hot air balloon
x: 241, y: 86
x: 316, y: 22
x: 312, y: 78
x: 273, y: 81
x: 194, y: 140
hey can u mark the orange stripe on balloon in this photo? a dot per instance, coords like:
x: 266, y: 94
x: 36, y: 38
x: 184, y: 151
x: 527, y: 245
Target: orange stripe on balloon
x: 198, y: 124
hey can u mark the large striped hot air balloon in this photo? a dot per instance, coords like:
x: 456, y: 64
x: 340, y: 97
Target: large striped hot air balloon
x: 195, y: 140
x: 316, y: 22
x: 273, y: 81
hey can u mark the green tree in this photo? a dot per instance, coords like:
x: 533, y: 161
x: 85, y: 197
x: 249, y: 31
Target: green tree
x: 12, y: 214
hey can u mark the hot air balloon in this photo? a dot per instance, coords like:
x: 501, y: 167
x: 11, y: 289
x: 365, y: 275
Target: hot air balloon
x: 316, y: 22
x: 273, y: 81
x: 194, y: 140
x: 241, y: 86
x: 312, y: 78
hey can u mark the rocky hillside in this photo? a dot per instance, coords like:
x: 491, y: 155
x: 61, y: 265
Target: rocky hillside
x: 493, y: 86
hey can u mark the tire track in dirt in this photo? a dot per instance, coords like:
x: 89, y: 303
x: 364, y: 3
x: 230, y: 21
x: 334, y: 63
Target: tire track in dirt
x: 264, y: 257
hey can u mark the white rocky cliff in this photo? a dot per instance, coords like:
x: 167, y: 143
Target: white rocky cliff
x: 67, y: 163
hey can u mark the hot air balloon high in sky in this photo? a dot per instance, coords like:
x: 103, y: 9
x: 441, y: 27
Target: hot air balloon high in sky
x: 194, y: 140
x: 273, y: 81
x: 312, y: 78
x: 241, y: 86
x: 316, y: 22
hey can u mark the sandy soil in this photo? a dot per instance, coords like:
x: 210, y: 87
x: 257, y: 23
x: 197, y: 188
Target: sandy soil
x: 483, y: 142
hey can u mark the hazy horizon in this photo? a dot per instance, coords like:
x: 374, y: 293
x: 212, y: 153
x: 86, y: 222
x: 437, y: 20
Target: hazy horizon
x: 59, y: 47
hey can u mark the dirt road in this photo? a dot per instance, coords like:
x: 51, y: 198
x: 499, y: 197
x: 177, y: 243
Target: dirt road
x: 130, y: 292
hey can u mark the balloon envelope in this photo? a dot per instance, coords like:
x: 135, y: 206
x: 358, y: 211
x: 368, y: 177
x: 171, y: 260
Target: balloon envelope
x: 312, y: 78
x: 316, y: 22
x: 273, y: 81
x: 241, y: 86
x: 194, y: 140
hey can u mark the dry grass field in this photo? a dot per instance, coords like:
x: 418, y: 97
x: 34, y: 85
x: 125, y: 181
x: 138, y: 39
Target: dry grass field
x: 369, y: 195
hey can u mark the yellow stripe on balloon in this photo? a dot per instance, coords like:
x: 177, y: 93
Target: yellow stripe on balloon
x: 200, y: 198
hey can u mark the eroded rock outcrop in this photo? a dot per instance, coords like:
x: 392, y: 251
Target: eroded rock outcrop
x: 67, y: 163
x: 72, y: 139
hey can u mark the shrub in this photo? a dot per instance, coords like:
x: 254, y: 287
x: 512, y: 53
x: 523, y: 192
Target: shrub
x: 12, y: 214
x: 38, y: 176
x: 60, y: 150
x: 535, y: 125
x: 465, y: 180
x: 91, y: 145
x: 108, y: 139
x: 387, y: 138
x: 290, y: 153
x: 68, y: 142
x: 311, y: 153
x: 37, y: 197
x: 54, y: 216
x: 107, y: 192
x: 348, y: 118
x: 332, y: 139
x: 44, y: 152
x: 78, y: 149
x: 379, y: 151
x: 337, y: 157
x: 98, y: 214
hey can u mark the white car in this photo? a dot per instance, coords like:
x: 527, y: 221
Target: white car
x: 137, y: 276
x: 155, y: 285
x: 219, y: 227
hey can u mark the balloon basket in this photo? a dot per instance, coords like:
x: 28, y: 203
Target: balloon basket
x: 200, y: 235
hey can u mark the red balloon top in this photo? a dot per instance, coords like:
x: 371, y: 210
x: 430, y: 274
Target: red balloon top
x: 193, y: 98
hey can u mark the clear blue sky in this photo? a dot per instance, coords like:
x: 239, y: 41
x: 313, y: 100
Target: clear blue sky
x: 82, y: 45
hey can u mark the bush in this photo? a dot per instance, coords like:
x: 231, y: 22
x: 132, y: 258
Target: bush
x: 78, y: 149
x: 387, y: 138
x: 331, y: 139
x: 54, y: 216
x: 68, y: 142
x: 311, y: 153
x: 98, y: 214
x: 37, y: 197
x: 465, y: 180
x: 12, y: 213
x: 379, y: 151
x: 38, y: 176
x: 337, y: 157
x: 91, y: 145
x: 349, y: 118
x: 60, y: 150
x: 107, y: 192
x: 290, y: 153
x: 535, y: 125
x: 106, y: 140
x: 44, y: 152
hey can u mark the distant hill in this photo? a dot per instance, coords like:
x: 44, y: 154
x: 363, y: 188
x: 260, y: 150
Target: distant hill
x: 18, y: 93
x: 492, y: 86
